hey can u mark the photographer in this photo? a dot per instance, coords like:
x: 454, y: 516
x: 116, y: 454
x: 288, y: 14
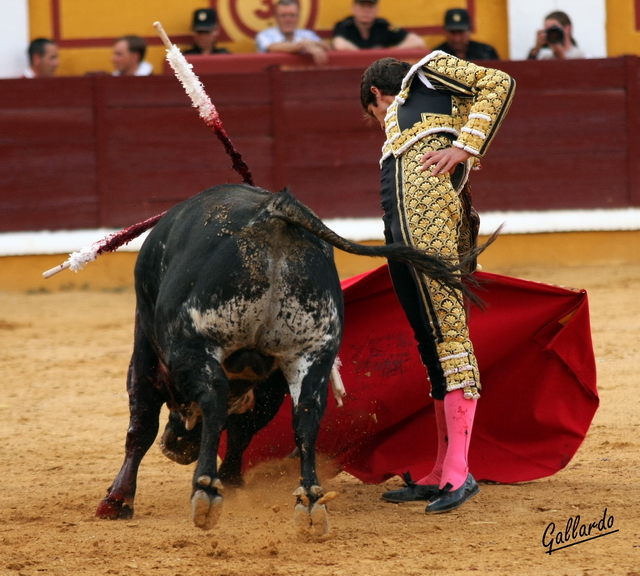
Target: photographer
x: 555, y: 41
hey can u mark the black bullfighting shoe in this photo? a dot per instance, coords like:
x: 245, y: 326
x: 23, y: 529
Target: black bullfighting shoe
x: 452, y: 499
x: 412, y: 492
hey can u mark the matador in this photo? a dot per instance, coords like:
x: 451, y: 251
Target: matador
x: 439, y: 117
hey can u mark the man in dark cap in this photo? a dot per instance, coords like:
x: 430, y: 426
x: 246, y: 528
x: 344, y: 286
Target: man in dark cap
x: 363, y: 29
x: 205, y: 33
x: 457, y: 26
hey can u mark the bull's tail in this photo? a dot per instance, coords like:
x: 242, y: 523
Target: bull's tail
x: 284, y: 206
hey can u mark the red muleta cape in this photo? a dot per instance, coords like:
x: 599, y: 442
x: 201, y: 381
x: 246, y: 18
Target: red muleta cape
x: 537, y: 368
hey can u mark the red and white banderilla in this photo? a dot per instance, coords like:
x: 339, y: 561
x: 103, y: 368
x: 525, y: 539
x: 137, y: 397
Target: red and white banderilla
x: 208, y: 112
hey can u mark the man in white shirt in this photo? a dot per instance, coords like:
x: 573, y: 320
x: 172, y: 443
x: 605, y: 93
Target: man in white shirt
x: 128, y: 57
x: 287, y: 37
x: 43, y: 59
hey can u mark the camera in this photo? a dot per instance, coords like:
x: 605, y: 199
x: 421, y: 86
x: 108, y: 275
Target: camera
x: 555, y: 35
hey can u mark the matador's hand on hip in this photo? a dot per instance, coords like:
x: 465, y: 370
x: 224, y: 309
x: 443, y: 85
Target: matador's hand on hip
x: 443, y: 161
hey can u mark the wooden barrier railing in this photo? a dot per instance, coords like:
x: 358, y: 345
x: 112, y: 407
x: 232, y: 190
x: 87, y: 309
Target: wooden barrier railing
x: 249, y: 63
x: 102, y: 151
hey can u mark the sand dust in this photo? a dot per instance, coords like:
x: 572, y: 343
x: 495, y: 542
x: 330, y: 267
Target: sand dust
x: 64, y: 415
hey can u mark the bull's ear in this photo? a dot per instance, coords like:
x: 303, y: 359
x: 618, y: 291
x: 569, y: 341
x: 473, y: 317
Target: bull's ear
x: 285, y: 189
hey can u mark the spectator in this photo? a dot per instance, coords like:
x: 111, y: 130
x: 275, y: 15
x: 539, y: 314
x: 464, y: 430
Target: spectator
x: 457, y: 26
x: 43, y: 59
x: 363, y: 29
x: 205, y: 33
x: 555, y: 42
x: 128, y: 57
x: 287, y: 37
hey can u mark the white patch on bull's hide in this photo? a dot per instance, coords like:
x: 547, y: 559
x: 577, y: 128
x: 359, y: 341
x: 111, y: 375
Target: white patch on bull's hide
x: 295, y: 373
x: 275, y: 326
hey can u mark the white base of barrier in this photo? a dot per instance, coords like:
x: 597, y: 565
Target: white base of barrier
x: 355, y: 229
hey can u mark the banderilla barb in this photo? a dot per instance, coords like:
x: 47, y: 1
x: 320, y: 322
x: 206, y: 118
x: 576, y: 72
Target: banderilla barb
x: 195, y: 90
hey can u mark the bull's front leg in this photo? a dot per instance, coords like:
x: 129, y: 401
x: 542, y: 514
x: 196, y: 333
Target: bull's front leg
x: 310, y: 513
x: 201, y: 379
x: 145, y: 402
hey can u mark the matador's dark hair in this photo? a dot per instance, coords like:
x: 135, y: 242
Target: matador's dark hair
x: 385, y: 74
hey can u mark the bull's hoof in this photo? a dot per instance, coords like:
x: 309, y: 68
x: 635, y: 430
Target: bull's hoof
x: 205, y: 509
x: 319, y: 520
x: 311, y: 520
x: 178, y: 443
x: 110, y: 509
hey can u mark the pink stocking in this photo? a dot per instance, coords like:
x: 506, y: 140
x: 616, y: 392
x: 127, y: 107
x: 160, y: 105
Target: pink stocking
x: 459, y: 413
x: 434, y: 476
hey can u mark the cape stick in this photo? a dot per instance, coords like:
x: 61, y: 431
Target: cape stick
x: 208, y: 112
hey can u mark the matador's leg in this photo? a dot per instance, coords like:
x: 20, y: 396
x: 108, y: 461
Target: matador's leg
x: 431, y: 218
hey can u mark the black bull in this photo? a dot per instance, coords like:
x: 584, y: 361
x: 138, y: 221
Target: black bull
x: 238, y: 303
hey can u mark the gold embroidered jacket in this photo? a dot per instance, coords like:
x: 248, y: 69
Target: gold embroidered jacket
x: 479, y: 99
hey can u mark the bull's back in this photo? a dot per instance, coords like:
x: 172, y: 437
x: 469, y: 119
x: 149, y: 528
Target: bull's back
x: 192, y: 228
x: 219, y: 265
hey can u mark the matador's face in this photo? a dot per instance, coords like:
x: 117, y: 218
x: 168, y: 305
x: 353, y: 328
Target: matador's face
x: 379, y: 109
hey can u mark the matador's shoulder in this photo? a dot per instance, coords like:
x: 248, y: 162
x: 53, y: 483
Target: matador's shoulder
x: 481, y: 97
x: 447, y: 72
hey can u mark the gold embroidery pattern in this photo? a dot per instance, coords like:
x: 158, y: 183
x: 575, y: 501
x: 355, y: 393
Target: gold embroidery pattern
x: 480, y: 99
x: 433, y: 220
x: 492, y: 92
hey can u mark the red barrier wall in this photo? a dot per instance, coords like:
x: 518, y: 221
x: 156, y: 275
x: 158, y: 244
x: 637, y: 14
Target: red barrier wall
x: 103, y: 151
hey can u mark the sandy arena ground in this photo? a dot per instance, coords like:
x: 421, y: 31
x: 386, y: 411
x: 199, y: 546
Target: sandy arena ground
x: 64, y: 416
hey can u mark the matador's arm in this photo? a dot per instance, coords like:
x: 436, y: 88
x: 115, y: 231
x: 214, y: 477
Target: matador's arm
x: 492, y: 91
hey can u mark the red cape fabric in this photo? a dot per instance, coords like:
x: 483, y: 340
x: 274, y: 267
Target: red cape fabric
x: 539, y: 396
